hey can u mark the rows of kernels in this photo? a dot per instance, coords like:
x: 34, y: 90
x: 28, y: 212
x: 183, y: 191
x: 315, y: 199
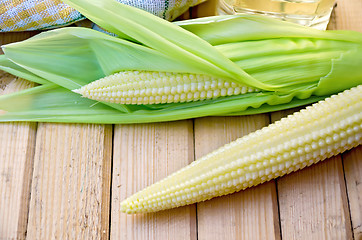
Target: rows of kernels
x: 293, y: 143
x: 234, y: 180
x: 140, y: 87
x: 239, y: 175
x: 257, y: 139
x: 293, y: 153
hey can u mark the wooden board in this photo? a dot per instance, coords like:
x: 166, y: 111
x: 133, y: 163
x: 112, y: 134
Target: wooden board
x: 313, y: 202
x: 71, y: 182
x: 144, y: 154
x: 261, y: 202
x: 16, y: 160
x: 65, y: 181
x: 353, y: 174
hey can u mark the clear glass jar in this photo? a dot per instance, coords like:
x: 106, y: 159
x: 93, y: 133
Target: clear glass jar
x: 312, y: 13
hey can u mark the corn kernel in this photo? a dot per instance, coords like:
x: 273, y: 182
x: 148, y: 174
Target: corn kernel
x: 154, y: 87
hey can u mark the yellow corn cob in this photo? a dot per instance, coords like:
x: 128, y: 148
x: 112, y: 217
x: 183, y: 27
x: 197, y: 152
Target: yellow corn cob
x: 146, y: 87
x: 318, y: 132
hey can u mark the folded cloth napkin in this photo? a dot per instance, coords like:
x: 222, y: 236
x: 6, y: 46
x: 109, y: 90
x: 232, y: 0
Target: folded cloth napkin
x: 24, y: 15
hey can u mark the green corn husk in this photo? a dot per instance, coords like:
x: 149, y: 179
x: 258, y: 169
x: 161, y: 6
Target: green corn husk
x: 291, y: 64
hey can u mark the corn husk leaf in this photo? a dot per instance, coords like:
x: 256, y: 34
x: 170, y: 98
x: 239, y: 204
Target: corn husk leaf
x: 244, y: 38
x: 8, y: 66
x: 308, y: 62
x: 218, y: 30
x: 160, y: 35
x: 49, y: 102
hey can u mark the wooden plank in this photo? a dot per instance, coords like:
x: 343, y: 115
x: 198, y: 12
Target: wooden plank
x: 9, y: 37
x: 17, y: 141
x: 205, y: 9
x: 353, y: 173
x: 71, y: 182
x: 347, y: 15
x: 144, y: 154
x: 249, y: 214
x: 312, y: 202
x: 5, y: 80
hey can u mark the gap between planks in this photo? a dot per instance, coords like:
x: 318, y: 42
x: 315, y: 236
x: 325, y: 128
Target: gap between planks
x: 312, y: 201
x: 248, y: 214
x: 353, y: 176
x: 144, y: 154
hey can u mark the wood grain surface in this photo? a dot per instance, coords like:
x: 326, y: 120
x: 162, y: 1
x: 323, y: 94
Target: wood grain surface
x: 144, y: 154
x: 353, y: 174
x: 66, y: 181
x: 71, y: 182
x: 261, y: 202
x: 16, y: 160
x: 313, y: 202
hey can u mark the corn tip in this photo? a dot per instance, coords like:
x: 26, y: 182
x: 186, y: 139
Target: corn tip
x: 79, y: 91
x: 123, y: 206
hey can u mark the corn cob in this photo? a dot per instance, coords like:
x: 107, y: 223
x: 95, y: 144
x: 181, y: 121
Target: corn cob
x: 313, y: 134
x: 150, y: 87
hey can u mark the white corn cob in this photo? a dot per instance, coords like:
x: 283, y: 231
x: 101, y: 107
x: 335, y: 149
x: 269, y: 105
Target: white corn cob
x: 146, y: 87
x: 318, y: 132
